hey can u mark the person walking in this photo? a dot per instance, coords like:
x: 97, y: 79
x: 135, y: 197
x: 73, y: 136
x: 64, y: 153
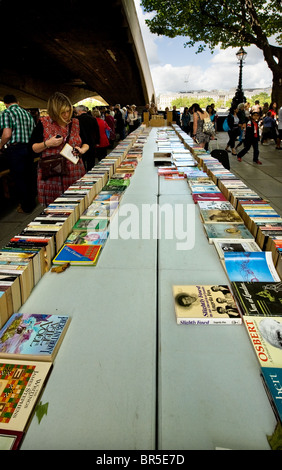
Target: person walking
x: 234, y: 129
x: 251, y: 138
x: 104, y: 129
x: 17, y: 125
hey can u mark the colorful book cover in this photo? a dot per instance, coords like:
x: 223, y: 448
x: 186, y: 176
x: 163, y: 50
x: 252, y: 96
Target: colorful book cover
x: 272, y: 378
x: 87, y: 237
x: 259, y: 298
x: 205, y: 305
x: 78, y: 254
x: 265, y: 334
x: 32, y: 336
x: 91, y: 224
x: 250, y: 267
x: 21, y: 383
x: 215, y: 205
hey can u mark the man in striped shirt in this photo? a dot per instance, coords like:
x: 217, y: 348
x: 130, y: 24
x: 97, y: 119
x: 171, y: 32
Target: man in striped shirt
x: 17, y: 125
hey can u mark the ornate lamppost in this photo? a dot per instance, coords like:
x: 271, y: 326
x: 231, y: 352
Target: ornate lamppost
x: 239, y: 95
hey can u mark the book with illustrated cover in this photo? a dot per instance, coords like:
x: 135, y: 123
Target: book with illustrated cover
x: 272, y: 380
x: 205, y: 305
x: 227, y: 231
x: 251, y: 266
x: 265, y: 335
x: 35, y: 337
x: 215, y: 205
x: 218, y: 216
x: 87, y: 237
x: 78, y: 254
x: 208, y: 197
x: 21, y: 383
x: 91, y: 224
x: 224, y: 246
x: 108, y: 196
x: 100, y: 210
x: 259, y: 298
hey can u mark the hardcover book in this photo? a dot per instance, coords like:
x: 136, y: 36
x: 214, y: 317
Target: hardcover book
x: 259, y: 298
x: 10, y: 440
x: 78, y: 254
x: 21, y: 383
x: 250, y: 267
x: 265, y: 334
x: 35, y: 337
x: 205, y: 305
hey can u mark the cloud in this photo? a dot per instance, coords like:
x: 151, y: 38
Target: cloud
x: 219, y: 70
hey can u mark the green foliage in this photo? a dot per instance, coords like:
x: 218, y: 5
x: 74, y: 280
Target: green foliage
x: 2, y: 106
x: 182, y: 102
x: 213, y: 22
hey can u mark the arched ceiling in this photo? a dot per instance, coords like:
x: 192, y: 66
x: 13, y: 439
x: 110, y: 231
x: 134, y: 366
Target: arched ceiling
x: 81, y: 48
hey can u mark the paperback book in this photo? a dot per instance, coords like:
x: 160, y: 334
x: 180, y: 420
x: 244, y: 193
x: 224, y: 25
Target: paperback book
x: 35, y: 337
x: 272, y: 379
x: 78, y: 255
x: 231, y: 246
x: 219, y: 216
x: 250, y: 267
x: 259, y: 298
x: 227, y: 231
x: 21, y: 383
x: 205, y: 305
x: 87, y: 237
x: 265, y: 334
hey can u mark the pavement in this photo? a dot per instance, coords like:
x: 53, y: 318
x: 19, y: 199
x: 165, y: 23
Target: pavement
x: 265, y: 179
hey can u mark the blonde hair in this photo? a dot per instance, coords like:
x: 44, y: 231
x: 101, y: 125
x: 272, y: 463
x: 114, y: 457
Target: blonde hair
x: 96, y: 113
x: 57, y: 104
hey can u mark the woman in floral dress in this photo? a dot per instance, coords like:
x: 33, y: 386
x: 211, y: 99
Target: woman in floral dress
x: 49, y: 138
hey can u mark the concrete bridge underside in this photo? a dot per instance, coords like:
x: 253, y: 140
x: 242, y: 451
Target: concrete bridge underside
x: 81, y: 48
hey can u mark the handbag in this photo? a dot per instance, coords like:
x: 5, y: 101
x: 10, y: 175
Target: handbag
x: 208, y: 127
x: 55, y: 165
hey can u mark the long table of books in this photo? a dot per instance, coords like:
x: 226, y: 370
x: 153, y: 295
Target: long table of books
x: 125, y: 321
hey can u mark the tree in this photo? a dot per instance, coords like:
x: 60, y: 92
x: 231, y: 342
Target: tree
x: 228, y: 23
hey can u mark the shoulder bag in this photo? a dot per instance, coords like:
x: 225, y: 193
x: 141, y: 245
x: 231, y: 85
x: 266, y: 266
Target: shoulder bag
x: 208, y: 127
x: 55, y: 165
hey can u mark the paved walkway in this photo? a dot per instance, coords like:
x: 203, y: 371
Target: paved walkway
x: 265, y: 179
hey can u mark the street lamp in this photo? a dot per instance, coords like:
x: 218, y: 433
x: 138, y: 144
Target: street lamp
x: 239, y: 95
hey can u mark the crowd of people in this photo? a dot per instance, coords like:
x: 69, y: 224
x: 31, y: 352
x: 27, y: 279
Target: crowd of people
x: 91, y: 133
x: 247, y: 126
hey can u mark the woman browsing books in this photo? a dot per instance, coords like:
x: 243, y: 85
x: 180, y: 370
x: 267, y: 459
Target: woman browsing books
x: 49, y: 138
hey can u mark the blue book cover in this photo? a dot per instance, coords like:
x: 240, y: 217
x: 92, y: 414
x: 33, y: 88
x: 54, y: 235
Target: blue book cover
x: 255, y: 266
x: 272, y: 378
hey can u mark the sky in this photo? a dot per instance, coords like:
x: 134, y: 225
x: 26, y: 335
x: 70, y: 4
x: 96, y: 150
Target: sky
x: 175, y: 68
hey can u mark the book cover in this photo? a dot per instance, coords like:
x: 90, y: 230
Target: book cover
x: 91, y: 224
x: 35, y: 337
x: 250, y: 266
x: 220, y: 216
x: 68, y: 152
x: 272, y: 379
x: 224, y: 246
x: 265, y: 334
x: 259, y: 298
x: 21, y: 383
x: 205, y: 305
x: 208, y: 197
x: 78, y: 254
x: 215, y: 205
x: 227, y: 231
x: 87, y: 237
x: 10, y: 440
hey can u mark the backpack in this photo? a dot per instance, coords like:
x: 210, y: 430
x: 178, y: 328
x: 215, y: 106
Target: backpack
x: 225, y: 125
